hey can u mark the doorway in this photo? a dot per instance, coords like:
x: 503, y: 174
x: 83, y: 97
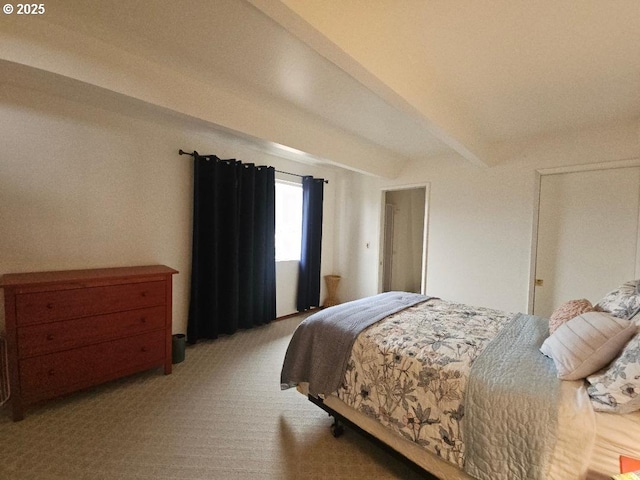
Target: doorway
x: 404, y: 240
x: 587, y: 235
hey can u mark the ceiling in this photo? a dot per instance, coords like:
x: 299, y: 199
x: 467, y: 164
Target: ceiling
x: 413, y: 78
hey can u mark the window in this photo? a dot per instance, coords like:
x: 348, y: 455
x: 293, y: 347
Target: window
x: 288, y: 220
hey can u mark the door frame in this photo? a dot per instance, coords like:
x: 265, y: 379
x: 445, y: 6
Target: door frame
x: 631, y: 162
x: 425, y: 230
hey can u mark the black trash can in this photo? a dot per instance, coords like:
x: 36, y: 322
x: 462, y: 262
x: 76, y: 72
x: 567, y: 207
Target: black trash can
x: 178, y: 346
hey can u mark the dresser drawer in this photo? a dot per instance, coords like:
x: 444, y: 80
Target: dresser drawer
x: 42, y: 307
x: 63, y: 372
x: 53, y: 337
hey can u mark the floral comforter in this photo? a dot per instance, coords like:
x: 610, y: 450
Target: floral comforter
x: 410, y: 370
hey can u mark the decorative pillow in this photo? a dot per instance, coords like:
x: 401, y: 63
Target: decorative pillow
x: 567, y: 311
x: 617, y: 387
x: 623, y: 302
x: 585, y: 344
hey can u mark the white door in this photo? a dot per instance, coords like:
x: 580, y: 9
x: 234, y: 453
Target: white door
x: 404, y: 240
x: 587, y: 235
x: 387, y: 266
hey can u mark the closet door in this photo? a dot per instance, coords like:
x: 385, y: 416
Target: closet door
x: 587, y: 235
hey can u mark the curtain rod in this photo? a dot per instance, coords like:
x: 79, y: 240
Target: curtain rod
x: 194, y: 153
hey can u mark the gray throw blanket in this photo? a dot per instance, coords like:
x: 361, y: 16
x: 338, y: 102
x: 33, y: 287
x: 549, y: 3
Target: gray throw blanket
x: 511, y: 403
x: 321, y: 345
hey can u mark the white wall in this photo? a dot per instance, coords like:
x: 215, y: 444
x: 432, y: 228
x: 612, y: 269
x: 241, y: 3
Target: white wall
x: 480, y: 220
x: 82, y: 59
x: 83, y: 186
x: 286, y: 277
x: 88, y: 187
x: 357, y: 238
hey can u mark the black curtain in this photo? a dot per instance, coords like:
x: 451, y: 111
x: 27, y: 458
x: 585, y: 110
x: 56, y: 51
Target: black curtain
x: 233, y: 281
x: 311, y: 253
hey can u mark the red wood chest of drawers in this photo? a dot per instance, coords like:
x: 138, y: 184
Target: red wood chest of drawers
x: 74, y: 329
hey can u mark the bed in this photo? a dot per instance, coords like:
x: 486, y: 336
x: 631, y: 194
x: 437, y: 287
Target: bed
x: 465, y: 392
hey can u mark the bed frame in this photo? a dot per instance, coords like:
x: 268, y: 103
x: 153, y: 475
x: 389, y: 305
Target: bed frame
x: 337, y: 429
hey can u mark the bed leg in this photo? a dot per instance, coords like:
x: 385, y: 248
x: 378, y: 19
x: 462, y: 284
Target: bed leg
x: 337, y: 429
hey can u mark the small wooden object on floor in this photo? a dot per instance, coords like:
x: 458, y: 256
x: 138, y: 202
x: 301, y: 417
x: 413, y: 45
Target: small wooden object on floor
x: 332, y: 282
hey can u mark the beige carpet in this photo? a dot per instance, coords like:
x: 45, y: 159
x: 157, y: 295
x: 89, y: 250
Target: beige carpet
x: 220, y: 415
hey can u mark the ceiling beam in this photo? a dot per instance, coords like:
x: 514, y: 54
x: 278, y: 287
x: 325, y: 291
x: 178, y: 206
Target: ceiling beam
x: 428, y: 104
x: 72, y: 58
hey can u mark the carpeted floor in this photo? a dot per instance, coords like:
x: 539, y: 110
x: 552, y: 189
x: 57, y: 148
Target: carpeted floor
x: 220, y: 415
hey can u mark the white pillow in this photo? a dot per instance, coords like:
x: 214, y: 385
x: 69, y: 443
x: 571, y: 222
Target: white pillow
x: 586, y: 343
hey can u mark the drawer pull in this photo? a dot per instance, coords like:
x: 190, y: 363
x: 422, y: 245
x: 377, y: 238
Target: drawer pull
x: 50, y: 306
x: 50, y: 337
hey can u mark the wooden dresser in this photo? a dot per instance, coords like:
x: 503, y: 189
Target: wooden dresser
x: 74, y: 329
